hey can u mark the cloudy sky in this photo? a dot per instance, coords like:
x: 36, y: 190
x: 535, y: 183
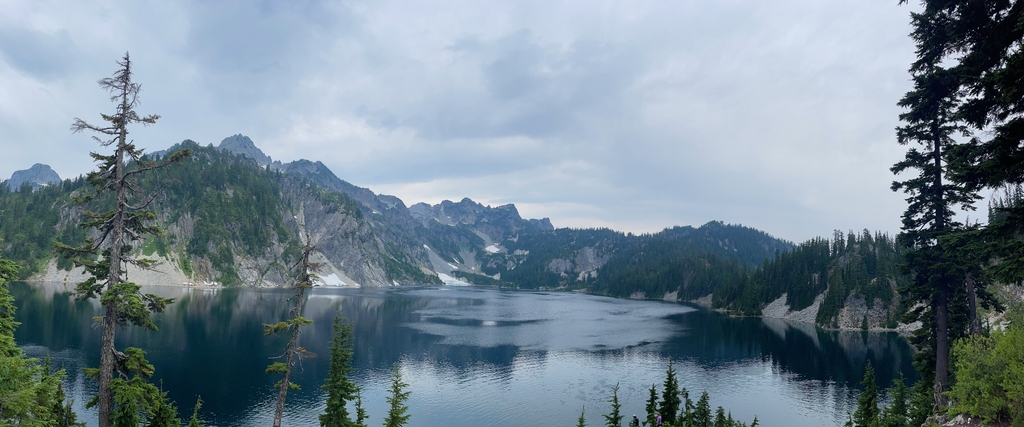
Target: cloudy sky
x: 634, y: 115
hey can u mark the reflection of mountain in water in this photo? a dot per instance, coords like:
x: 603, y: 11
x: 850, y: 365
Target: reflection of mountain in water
x: 798, y: 348
x: 211, y: 342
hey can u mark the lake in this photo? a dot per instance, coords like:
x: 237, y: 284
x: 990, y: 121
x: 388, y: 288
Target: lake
x: 472, y: 355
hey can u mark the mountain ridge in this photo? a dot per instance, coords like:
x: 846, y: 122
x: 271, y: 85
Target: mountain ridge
x: 235, y: 216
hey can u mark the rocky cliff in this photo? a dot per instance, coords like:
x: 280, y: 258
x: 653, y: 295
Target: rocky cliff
x: 38, y: 175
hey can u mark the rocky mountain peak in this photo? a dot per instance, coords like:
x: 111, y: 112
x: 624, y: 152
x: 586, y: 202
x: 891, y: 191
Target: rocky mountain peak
x: 38, y: 175
x: 241, y: 144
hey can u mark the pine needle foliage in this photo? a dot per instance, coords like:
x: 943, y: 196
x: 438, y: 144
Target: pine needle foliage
x: 106, y: 257
x: 340, y: 389
x: 614, y: 418
x: 669, y: 406
x: 867, y: 404
x: 293, y: 353
x: 29, y: 394
x: 398, y: 415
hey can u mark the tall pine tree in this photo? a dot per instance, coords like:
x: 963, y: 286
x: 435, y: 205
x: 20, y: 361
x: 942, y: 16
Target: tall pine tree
x: 670, y: 401
x: 106, y: 258
x: 340, y: 389
x: 614, y: 418
x: 930, y: 123
x: 867, y: 404
x: 292, y: 352
x: 398, y: 412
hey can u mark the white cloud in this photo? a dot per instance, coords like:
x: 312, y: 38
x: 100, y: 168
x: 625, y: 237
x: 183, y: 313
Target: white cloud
x: 631, y: 115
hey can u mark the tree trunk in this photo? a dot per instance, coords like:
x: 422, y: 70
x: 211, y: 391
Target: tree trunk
x: 942, y: 297
x: 290, y: 350
x: 972, y: 305
x: 941, y: 345
x: 106, y: 401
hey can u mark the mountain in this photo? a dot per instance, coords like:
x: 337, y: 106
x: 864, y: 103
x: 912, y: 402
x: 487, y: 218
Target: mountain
x: 241, y: 144
x: 38, y: 175
x: 235, y: 216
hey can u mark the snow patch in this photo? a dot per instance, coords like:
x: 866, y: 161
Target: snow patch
x: 451, y: 281
x: 493, y: 249
x: 332, y: 280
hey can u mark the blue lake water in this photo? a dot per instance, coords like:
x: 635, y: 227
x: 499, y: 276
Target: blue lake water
x: 472, y: 356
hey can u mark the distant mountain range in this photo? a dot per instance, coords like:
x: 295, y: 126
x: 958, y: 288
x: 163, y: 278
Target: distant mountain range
x: 235, y: 216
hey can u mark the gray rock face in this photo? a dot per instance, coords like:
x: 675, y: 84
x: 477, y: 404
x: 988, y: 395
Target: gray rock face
x: 241, y: 144
x: 38, y: 175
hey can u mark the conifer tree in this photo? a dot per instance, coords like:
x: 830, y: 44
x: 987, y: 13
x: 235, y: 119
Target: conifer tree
x: 702, y: 413
x: 652, y: 406
x: 669, y: 406
x: 581, y: 421
x: 397, y: 411
x: 134, y: 395
x: 895, y: 415
x: 614, y: 418
x: 931, y: 123
x: 686, y: 416
x: 360, y: 411
x: 106, y: 258
x: 293, y: 352
x: 866, y: 414
x: 194, y: 421
x: 720, y: 418
x: 340, y: 390
x: 982, y: 41
x: 29, y: 394
x: 64, y: 414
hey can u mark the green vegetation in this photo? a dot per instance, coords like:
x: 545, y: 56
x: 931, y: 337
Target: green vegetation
x: 234, y: 206
x: 106, y: 259
x: 30, y: 220
x: 863, y: 265
x: 614, y: 418
x: 340, y: 389
x: 964, y: 118
x: 990, y: 375
x: 30, y: 395
x: 398, y: 415
x: 677, y: 410
x: 292, y: 352
x: 869, y: 414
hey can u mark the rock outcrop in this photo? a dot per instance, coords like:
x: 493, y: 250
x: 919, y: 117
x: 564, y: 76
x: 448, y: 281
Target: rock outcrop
x: 37, y: 176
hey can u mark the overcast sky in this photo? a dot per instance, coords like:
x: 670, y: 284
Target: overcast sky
x: 634, y: 115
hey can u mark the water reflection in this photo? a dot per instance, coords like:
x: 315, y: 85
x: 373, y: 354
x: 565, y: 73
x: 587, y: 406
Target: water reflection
x: 474, y: 355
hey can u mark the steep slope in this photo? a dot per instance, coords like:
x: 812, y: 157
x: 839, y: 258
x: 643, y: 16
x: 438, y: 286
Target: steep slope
x: 237, y: 217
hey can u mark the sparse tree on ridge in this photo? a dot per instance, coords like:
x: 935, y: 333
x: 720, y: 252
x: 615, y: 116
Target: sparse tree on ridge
x: 293, y: 352
x: 106, y: 258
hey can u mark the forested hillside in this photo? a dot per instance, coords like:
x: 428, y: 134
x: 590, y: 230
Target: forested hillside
x: 236, y: 217
x: 858, y: 273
